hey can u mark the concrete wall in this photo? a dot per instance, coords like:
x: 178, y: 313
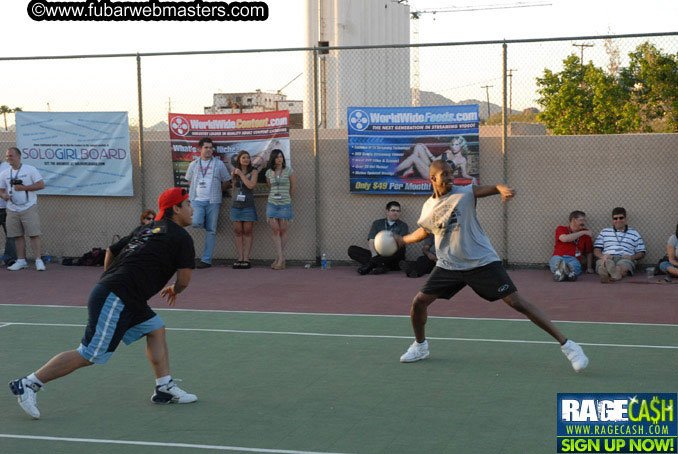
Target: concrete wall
x: 552, y: 175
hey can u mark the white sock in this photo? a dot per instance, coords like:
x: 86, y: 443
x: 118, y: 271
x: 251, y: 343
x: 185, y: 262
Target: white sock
x: 22, y: 261
x: 35, y: 379
x: 163, y: 380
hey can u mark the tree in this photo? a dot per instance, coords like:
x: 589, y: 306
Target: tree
x: 580, y: 100
x: 4, y: 110
x: 652, y: 81
x: 588, y: 100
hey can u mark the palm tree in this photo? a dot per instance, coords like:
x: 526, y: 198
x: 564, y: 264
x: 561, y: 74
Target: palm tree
x: 4, y: 110
x: 15, y: 110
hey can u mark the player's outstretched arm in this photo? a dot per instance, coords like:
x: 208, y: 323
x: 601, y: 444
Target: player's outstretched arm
x: 418, y: 235
x: 170, y: 292
x: 108, y: 259
x: 484, y: 191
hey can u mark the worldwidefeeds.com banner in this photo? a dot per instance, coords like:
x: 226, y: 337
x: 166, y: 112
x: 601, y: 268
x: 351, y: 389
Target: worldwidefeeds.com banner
x: 625, y: 423
x: 258, y: 133
x: 392, y: 148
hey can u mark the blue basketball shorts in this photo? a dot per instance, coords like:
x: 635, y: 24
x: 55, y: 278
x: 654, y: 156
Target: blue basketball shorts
x: 111, y: 321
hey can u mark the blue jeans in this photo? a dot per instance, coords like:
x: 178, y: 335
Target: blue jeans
x: 572, y: 261
x: 205, y: 216
x: 665, y: 264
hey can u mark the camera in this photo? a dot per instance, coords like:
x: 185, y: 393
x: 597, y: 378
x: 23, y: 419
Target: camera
x: 16, y: 181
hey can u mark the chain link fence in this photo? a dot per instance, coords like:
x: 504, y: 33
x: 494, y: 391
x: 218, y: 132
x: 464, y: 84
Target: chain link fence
x: 553, y: 172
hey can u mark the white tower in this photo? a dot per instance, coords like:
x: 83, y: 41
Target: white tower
x: 374, y: 77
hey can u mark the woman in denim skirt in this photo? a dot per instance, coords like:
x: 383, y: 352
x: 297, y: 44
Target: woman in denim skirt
x: 243, y: 212
x: 281, y: 184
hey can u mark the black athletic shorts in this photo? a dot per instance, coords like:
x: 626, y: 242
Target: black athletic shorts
x: 491, y: 282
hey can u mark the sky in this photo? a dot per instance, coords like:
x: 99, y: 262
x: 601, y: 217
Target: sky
x: 32, y: 84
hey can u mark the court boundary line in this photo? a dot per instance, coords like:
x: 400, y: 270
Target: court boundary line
x: 367, y: 336
x: 160, y: 444
x: 670, y: 325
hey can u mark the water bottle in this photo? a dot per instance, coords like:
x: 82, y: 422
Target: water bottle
x: 324, y: 264
x: 47, y: 258
x: 650, y: 272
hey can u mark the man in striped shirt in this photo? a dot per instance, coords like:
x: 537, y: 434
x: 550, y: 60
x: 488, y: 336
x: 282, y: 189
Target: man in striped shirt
x: 617, y: 249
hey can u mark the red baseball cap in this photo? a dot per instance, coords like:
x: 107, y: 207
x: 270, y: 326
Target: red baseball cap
x: 169, y: 198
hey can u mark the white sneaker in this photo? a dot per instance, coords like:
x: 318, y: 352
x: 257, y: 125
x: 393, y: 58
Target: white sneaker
x: 25, y: 391
x: 18, y: 265
x: 172, y: 394
x: 39, y: 265
x: 561, y: 272
x: 416, y: 352
x: 576, y: 355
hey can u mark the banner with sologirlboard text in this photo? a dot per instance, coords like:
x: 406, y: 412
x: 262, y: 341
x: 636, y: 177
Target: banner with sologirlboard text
x: 258, y: 133
x: 78, y: 153
x: 391, y: 148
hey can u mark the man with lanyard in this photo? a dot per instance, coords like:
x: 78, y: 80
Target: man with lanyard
x: 369, y: 259
x: 466, y: 257
x: 573, y: 244
x: 617, y: 249
x: 18, y: 186
x: 136, y: 268
x: 207, y: 179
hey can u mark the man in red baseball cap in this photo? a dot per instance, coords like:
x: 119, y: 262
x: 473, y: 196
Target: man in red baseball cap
x: 136, y: 268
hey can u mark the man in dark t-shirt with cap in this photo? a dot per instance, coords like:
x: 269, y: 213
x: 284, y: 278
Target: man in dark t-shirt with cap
x: 136, y: 268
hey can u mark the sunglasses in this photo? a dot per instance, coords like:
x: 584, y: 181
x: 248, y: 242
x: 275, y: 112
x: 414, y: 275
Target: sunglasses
x: 618, y: 218
x: 149, y: 218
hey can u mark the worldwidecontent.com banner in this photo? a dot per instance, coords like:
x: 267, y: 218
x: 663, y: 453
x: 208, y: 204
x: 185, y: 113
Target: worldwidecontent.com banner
x: 619, y: 423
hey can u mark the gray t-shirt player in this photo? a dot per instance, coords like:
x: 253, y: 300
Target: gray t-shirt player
x: 461, y: 243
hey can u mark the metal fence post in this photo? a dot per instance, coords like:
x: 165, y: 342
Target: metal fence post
x: 504, y: 146
x: 316, y: 158
x: 141, y: 136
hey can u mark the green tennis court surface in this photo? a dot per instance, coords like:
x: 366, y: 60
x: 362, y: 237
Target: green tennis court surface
x: 320, y: 383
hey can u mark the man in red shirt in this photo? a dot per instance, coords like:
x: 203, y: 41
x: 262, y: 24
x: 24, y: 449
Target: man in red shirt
x: 573, y: 243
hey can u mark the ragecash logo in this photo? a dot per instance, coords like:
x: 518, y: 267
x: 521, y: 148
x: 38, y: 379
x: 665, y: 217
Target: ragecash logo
x: 625, y: 423
x: 359, y: 120
x: 179, y: 126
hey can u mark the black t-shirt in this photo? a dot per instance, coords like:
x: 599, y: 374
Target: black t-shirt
x: 147, y: 259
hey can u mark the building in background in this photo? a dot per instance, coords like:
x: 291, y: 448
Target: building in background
x: 257, y: 101
x: 351, y: 78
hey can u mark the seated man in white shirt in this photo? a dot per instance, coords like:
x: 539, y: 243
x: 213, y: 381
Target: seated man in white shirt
x: 617, y: 249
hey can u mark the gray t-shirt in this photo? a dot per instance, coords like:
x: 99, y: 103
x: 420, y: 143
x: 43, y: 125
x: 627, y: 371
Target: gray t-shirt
x: 673, y: 241
x: 461, y: 243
